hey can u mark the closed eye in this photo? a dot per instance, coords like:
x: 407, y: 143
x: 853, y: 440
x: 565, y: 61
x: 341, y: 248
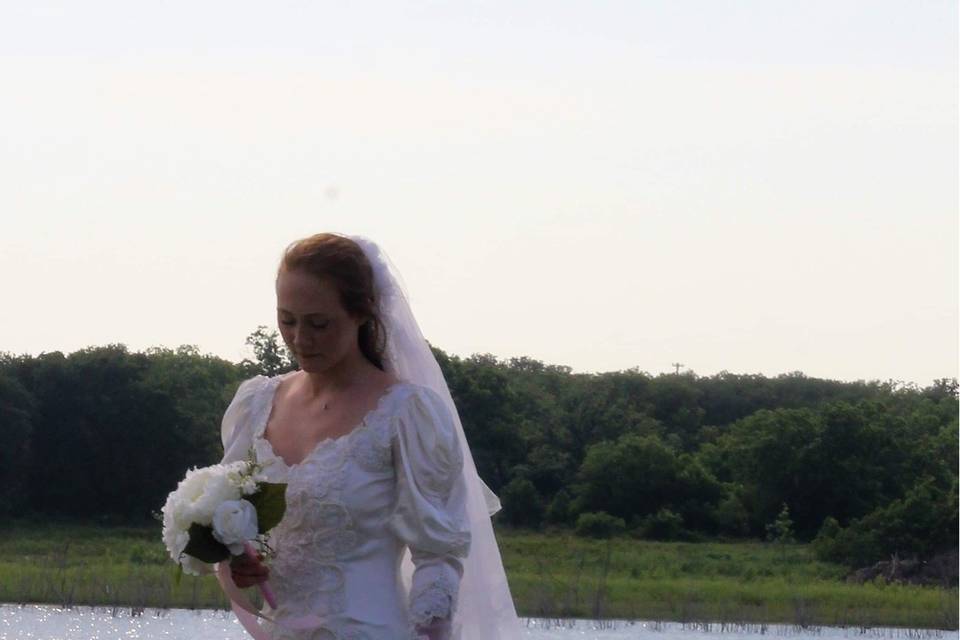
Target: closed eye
x: 315, y: 326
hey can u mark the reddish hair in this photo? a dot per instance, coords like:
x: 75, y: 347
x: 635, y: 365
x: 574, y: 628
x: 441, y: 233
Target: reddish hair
x: 327, y: 255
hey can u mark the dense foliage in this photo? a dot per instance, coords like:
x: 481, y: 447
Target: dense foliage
x: 864, y: 469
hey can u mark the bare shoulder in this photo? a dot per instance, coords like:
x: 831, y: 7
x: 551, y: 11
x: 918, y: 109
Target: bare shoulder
x: 374, y: 384
x: 288, y: 382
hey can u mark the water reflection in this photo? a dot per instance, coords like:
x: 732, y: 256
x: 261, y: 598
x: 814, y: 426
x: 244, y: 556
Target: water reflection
x: 43, y: 622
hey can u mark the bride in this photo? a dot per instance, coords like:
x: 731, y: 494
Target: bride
x: 387, y: 531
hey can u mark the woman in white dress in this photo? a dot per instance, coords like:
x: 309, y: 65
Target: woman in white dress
x: 387, y: 532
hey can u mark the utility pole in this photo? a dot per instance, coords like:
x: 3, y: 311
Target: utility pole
x: 677, y: 365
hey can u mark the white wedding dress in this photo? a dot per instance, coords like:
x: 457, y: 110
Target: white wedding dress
x: 353, y: 505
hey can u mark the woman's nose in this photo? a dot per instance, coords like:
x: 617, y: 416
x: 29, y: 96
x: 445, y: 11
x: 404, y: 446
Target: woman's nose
x: 298, y: 337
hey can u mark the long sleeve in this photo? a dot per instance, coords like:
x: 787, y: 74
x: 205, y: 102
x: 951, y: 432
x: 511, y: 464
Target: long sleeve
x: 235, y: 433
x: 430, y: 513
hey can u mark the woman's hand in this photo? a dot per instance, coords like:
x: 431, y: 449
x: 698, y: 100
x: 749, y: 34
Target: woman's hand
x: 246, y: 572
x: 436, y: 629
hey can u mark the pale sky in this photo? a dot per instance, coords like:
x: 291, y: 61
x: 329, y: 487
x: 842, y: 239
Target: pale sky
x: 757, y: 186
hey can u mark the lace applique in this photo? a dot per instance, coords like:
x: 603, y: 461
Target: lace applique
x: 317, y: 528
x: 436, y: 599
x: 371, y: 446
x: 369, y: 442
x: 315, y: 532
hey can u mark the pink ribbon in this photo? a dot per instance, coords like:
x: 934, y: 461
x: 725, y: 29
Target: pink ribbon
x: 264, y: 587
x: 247, y: 614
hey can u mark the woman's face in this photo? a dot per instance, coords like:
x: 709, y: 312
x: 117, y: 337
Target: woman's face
x: 313, y: 323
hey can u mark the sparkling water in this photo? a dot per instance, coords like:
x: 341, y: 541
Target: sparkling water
x: 45, y: 622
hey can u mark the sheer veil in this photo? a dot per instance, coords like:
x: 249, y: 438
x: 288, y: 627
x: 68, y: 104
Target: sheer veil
x: 485, y: 610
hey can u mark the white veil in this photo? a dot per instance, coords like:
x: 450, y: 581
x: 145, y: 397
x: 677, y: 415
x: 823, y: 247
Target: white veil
x: 485, y: 609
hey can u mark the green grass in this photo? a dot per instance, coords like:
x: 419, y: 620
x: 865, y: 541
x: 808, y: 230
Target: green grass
x: 94, y: 565
x: 555, y: 575
x: 749, y: 582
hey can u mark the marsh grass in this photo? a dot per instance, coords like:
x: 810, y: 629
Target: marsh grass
x: 554, y: 576
x: 71, y: 565
x: 559, y: 575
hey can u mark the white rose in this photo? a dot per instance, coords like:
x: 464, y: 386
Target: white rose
x: 217, y: 489
x: 174, y: 526
x: 235, y: 522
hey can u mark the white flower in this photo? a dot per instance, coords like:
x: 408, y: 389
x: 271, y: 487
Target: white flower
x: 235, y: 522
x: 199, y: 493
x: 217, y: 490
x: 197, y: 500
x: 248, y: 485
x: 175, y: 526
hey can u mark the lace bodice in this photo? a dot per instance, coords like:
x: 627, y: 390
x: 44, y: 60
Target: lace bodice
x: 355, y: 504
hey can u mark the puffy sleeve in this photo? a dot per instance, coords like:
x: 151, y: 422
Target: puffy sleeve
x: 235, y: 430
x: 430, y: 512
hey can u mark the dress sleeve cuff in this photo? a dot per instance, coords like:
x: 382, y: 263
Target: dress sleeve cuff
x: 434, y: 592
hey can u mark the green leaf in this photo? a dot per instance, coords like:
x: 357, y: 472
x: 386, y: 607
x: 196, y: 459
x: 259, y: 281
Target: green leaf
x: 178, y: 574
x: 203, y: 546
x: 270, y: 502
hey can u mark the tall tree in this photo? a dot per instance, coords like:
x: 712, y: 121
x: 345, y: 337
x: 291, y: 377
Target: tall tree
x: 271, y: 356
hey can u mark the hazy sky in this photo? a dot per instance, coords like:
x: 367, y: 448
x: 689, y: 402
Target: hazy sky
x: 756, y: 186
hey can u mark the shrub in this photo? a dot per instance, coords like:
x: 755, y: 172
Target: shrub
x: 559, y: 510
x: 599, y: 525
x: 522, y: 506
x: 781, y: 529
x: 663, y: 525
x: 634, y: 473
x: 921, y: 523
x: 732, y: 517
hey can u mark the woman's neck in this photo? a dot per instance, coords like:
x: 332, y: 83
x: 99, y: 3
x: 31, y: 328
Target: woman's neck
x: 348, y: 373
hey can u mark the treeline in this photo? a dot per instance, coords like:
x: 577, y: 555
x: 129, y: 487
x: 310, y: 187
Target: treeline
x: 863, y: 469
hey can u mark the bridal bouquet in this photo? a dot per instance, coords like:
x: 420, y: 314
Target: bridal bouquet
x: 216, y: 511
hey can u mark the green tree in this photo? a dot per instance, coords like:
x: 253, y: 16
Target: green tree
x: 635, y: 475
x: 200, y: 387
x: 921, y: 523
x: 773, y: 454
x: 522, y: 505
x: 103, y: 442
x: 17, y: 406
x: 780, y: 530
x: 698, y: 493
x: 558, y: 512
x: 731, y: 515
x: 271, y: 357
x: 676, y: 403
x: 488, y: 408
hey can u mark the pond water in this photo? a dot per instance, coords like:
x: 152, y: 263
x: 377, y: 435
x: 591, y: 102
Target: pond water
x: 42, y: 622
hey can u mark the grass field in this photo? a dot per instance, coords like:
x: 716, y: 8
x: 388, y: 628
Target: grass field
x: 566, y: 576
x: 554, y: 576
